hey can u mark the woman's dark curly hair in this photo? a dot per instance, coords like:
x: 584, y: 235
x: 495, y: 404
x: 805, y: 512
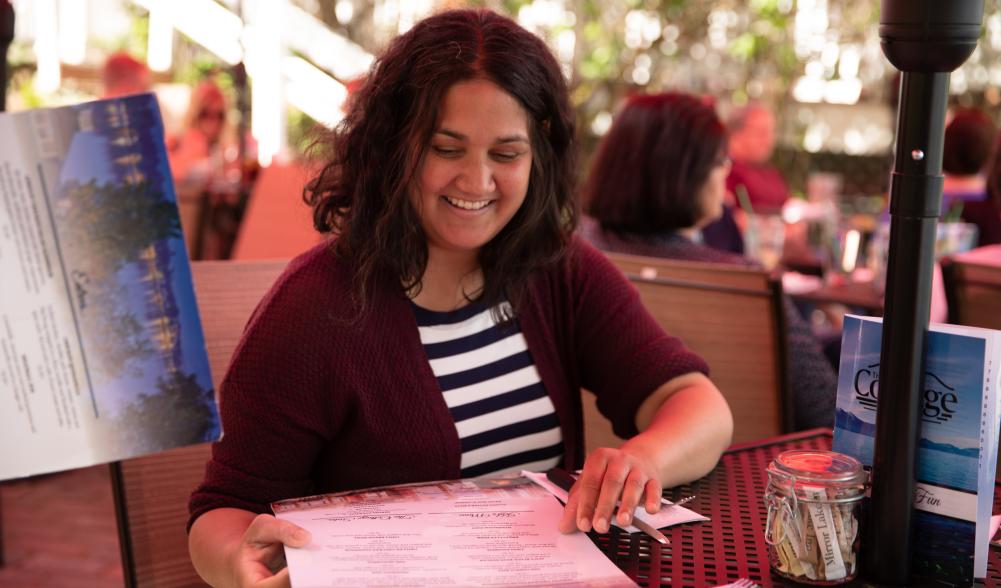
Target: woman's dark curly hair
x: 361, y: 195
x: 649, y: 168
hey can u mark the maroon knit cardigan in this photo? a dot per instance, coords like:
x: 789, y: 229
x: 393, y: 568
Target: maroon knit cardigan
x: 313, y: 404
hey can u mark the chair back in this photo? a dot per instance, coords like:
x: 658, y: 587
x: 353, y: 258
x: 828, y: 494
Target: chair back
x: 973, y: 291
x: 277, y: 223
x: 731, y: 316
x: 151, y: 492
x: 672, y: 269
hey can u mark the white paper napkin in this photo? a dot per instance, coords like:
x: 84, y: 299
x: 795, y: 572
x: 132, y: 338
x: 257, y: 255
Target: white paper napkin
x: 669, y: 514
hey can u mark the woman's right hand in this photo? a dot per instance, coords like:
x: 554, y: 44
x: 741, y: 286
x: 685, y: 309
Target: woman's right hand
x: 259, y: 561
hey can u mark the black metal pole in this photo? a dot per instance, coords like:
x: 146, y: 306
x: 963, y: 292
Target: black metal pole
x: 926, y: 39
x: 127, y: 549
x: 6, y: 37
x: 915, y: 200
x: 242, y: 100
x: 243, y: 107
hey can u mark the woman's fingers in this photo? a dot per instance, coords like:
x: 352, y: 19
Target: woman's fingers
x: 279, y: 580
x: 611, y: 490
x: 632, y: 493
x: 653, y: 492
x: 266, y: 530
x: 613, y: 483
x: 262, y: 557
x: 568, y: 522
x: 587, y: 488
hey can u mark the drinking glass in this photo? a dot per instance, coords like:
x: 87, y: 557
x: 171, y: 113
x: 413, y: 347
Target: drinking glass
x: 765, y: 239
x: 954, y: 238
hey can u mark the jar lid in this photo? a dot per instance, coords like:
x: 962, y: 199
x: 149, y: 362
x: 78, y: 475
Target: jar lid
x: 822, y: 467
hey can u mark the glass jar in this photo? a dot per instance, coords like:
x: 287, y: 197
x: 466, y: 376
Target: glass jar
x: 814, y: 502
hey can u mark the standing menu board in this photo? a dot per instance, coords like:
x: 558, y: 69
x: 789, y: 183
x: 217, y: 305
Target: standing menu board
x: 958, y: 448
x: 102, y: 355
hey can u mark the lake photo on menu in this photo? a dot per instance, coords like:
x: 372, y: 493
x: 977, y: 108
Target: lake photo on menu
x: 953, y: 467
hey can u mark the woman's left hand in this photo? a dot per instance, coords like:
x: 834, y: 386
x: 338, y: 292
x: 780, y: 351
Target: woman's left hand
x: 611, y: 476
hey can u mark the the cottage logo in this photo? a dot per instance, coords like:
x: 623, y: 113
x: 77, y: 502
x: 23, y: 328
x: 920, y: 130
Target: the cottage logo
x: 940, y: 399
x: 867, y: 386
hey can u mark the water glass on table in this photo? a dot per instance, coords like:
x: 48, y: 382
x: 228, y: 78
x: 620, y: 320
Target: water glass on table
x: 954, y: 237
x: 765, y: 239
x: 845, y: 254
x: 950, y: 238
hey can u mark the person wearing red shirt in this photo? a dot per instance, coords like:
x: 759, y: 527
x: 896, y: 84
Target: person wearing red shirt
x: 752, y: 141
x: 751, y: 130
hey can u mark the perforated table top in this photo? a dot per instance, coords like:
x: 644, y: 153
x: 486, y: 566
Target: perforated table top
x: 731, y: 545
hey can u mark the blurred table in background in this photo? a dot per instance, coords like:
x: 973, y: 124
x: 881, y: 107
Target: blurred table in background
x: 973, y: 287
x: 862, y: 295
x: 988, y: 255
x: 277, y: 223
x: 842, y: 261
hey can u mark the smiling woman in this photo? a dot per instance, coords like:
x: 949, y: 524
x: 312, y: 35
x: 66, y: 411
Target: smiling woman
x: 397, y: 128
x: 449, y: 328
x: 472, y: 182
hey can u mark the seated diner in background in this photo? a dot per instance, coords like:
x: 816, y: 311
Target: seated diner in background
x: 986, y: 213
x: 966, y: 149
x: 751, y: 130
x: 972, y: 178
x: 657, y: 178
x: 123, y: 75
x: 208, y: 175
x: 449, y: 327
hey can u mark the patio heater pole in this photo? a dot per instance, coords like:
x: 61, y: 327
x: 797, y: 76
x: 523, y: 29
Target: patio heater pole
x: 242, y: 102
x: 6, y: 36
x: 243, y: 107
x: 925, y: 39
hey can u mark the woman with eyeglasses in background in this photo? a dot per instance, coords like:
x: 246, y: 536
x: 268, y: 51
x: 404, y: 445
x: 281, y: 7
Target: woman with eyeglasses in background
x: 204, y: 161
x: 659, y: 177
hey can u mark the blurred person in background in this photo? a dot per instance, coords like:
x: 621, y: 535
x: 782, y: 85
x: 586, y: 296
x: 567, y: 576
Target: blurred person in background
x: 123, y: 74
x: 968, y: 141
x: 208, y: 176
x: 659, y: 175
x: 725, y: 233
x: 986, y: 213
x: 972, y: 184
x: 752, y: 142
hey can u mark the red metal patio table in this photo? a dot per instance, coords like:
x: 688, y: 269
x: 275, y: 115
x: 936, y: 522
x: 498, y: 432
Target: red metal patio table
x: 732, y: 544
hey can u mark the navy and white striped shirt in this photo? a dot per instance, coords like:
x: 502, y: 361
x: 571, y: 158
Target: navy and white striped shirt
x: 505, y: 419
